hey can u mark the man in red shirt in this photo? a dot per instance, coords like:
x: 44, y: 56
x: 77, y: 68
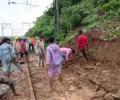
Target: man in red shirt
x: 24, y: 50
x: 82, y: 43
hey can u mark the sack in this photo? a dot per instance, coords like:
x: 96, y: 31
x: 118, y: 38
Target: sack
x: 56, y: 57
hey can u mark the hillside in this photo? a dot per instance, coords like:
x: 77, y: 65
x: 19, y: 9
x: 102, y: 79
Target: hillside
x: 103, y: 15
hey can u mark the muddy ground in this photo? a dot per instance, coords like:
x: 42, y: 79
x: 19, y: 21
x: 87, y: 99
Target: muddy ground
x: 98, y: 80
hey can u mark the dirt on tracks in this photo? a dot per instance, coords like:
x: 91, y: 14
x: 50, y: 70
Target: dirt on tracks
x: 98, y: 80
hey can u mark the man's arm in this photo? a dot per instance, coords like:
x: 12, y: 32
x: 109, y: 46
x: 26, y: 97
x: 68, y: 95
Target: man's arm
x: 87, y: 44
x: 12, y: 51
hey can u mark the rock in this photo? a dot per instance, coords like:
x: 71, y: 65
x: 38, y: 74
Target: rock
x: 108, y: 97
x: 97, y: 64
x: 72, y: 88
x: 74, y: 96
x: 97, y: 99
x: 62, y: 98
x: 59, y: 98
x: 79, y: 86
x: 4, y: 89
x: 117, y: 94
x: 100, y: 93
x: 106, y: 72
x: 116, y: 97
x: 67, y: 95
x: 88, y: 68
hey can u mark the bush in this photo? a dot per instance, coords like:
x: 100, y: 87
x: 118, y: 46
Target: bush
x: 74, y: 14
x: 113, y: 5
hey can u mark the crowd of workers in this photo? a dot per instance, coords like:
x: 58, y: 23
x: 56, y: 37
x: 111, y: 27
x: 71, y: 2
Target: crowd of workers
x: 52, y: 57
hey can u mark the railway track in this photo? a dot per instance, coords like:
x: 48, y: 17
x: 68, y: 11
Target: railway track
x: 37, y: 79
x: 32, y: 90
x: 33, y: 70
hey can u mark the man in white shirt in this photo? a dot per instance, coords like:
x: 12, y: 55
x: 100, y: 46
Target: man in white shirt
x: 40, y: 50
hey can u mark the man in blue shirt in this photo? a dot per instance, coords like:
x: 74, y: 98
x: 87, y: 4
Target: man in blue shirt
x: 7, y: 54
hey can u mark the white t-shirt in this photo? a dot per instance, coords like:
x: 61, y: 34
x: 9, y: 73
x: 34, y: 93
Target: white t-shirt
x: 39, y: 46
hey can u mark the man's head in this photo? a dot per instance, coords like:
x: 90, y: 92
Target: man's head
x: 72, y: 52
x: 6, y: 40
x: 80, y: 32
x: 17, y: 40
x: 51, y: 39
x: 20, y: 39
x: 42, y: 38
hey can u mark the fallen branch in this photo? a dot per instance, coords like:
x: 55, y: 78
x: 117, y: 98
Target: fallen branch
x: 98, y: 84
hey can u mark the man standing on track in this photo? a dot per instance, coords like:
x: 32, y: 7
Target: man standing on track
x: 40, y: 50
x: 30, y: 44
x: 17, y: 48
x: 24, y: 50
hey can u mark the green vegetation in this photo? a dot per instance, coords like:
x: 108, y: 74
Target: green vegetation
x: 85, y: 14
